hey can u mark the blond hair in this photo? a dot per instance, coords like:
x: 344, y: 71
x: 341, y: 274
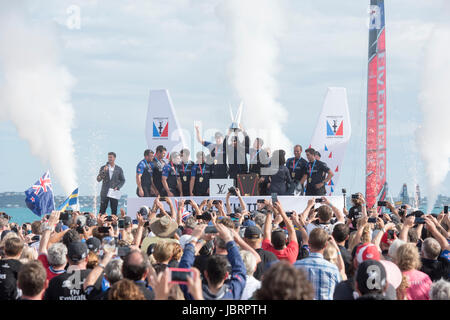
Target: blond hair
x: 366, y: 234
x: 408, y: 258
x: 28, y: 254
x: 330, y: 253
x: 163, y: 251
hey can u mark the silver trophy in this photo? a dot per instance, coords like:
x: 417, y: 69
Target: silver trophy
x: 236, y: 120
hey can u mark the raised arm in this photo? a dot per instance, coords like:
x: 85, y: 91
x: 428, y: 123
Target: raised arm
x: 241, y: 201
x: 172, y: 208
x: 300, y: 222
x: 308, y: 208
x: 287, y: 222
x: 436, y: 234
x: 339, y: 215
x: 93, y: 276
x: 197, y: 134
x: 268, y: 227
x: 196, y: 208
x: 180, y: 211
x: 52, y: 221
x: 227, y: 203
x: 140, y: 230
x: 408, y: 224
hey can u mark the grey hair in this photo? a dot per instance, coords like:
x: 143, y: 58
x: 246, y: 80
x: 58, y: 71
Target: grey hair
x: 431, y: 248
x: 57, y: 254
x: 191, y: 222
x: 260, y: 219
x: 113, y: 270
x: 394, y: 247
x: 249, y: 261
x: 440, y: 290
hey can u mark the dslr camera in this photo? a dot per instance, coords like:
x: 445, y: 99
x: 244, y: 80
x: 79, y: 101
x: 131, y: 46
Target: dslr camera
x: 232, y: 191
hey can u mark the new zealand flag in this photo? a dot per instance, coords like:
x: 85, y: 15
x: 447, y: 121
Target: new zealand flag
x: 39, y: 198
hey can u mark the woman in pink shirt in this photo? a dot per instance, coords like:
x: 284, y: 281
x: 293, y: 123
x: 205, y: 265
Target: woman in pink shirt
x: 418, y: 283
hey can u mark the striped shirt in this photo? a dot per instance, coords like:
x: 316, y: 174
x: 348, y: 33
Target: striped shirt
x: 323, y: 275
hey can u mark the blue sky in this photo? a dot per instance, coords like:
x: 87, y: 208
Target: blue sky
x: 125, y: 48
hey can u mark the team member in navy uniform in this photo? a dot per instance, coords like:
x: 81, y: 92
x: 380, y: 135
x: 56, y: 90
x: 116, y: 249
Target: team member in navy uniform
x: 184, y: 170
x: 280, y: 180
x: 158, y: 164
x: 218, y: 160
x: 171, y: 178
x: 144, y: 173
x: 236, y: 154
x: 315, y: 175
x: 200, y: 175
x: 297, y: 165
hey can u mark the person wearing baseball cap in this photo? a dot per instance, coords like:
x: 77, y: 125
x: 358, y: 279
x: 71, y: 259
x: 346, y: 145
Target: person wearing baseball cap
x: 253, y: 237
x: 371, y: 281
x: 69, y: 285
x: 93, y: 244
x: 363, y: 252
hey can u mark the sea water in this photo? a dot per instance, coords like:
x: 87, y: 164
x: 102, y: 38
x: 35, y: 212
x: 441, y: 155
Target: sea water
x: 23, y: 215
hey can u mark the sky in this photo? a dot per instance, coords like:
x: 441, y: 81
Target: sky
x: 124, y: 48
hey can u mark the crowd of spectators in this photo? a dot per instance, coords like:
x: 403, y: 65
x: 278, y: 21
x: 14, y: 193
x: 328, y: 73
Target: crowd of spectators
x: 213, y: 253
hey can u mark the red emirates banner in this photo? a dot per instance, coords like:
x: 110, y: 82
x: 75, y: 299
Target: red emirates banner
x: 376, y: 106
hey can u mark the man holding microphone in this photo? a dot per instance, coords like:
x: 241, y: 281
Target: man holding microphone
x: 112, y: 177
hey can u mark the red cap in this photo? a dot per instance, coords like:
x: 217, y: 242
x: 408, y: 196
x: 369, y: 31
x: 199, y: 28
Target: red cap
x: 385, y: 239
x: 367, y: 251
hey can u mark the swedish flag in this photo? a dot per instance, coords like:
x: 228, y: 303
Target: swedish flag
x: 70, y: 201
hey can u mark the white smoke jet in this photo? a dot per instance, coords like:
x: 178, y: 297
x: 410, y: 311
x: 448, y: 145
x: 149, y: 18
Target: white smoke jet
x: 254, y: 27
x: 35, y: 94
x: 433, y: 137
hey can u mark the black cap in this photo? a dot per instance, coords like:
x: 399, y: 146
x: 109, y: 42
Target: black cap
x: 93, y: 244
x: 252, y: 232
x: 371, y: 277
x: 77, y: 251
x: 127, y: 221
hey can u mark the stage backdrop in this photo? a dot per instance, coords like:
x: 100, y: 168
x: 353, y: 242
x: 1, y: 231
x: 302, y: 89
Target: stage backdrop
x: 289, y: 203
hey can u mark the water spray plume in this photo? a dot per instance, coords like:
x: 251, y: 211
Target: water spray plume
x: 35, y: 94
x: 433, y: 136
x: 254, y: 27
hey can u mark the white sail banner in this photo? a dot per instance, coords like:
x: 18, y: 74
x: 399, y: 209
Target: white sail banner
x: 162, y: 127
x: 333, y: 133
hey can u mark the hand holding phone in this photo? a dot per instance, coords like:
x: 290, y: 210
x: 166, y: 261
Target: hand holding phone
x: 381, y: 203
x: 179, y: 275
x: 210, y: 229
x: 274, y: 198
